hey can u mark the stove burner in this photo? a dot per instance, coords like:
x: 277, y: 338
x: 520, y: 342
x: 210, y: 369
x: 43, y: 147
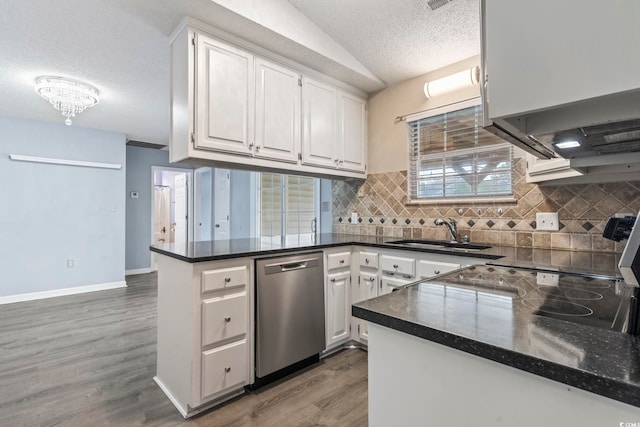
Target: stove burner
x: 570, y: 292
x: 557, y: 307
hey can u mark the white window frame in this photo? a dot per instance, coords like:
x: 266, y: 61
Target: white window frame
x: 453, y: 199
x: 283, y: 238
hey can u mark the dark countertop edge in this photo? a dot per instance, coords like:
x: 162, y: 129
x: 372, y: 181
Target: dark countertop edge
x: 607, y: 387
x: 271, y: 252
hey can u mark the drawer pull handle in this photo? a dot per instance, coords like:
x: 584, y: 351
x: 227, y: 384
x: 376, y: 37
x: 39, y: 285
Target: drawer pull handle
x: 436, y: 271
x: 227, y: 279
x: 395, y: 266
x: 341, y: 261
x: 227, y: 319
x: 227, y: 369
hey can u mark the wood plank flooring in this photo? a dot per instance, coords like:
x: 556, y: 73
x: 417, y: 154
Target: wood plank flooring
x: 89, y: 359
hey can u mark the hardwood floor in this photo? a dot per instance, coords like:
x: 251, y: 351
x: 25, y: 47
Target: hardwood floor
x: 89, y: 359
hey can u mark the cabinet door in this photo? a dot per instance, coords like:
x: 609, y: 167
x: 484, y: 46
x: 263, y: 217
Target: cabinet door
x: 352, y: 130
x: 337, y: 308
x: 223, y: 96
x: 388, y: 284
x: 277, y: 126
x: 318, y: 124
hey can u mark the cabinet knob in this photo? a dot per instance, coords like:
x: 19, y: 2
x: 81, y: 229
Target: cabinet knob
x: 227, y: 279
x: 340, y: 162
x: 341, y: 261
x: 395, y: 266
x: 257, y: 148
x: 250, y: 146
x: 227, y: 319
x: 333, y: 280
x: 366, y: 260
x: 371, y: 279
x: 227, y: 369
x: 436, y: 271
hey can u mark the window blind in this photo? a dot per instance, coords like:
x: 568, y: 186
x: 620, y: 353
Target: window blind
x: 452, y: 156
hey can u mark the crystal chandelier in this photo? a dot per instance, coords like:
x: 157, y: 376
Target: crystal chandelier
x: 68, y: 96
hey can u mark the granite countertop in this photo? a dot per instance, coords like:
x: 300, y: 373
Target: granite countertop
x: 552, y: 259
x: 503, y: 314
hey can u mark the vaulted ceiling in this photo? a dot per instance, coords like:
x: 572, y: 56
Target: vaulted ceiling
x: 121, y: 47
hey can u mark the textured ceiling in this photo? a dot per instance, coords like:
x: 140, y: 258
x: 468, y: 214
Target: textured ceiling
x: 398, y: 40
x: 121, y: 47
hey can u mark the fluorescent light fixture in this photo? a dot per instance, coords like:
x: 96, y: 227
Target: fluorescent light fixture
x: 572, y: 143
x: 461, y: 80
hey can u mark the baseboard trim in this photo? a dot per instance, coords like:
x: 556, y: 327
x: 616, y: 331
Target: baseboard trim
x: 138, y: 271
x: 31, y: 296
x: 165, y: 390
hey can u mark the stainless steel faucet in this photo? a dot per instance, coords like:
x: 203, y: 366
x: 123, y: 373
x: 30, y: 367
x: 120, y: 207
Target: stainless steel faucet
x: 451, y: 226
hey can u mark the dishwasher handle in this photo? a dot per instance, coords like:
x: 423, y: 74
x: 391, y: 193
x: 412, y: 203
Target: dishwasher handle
x: 291, y: 265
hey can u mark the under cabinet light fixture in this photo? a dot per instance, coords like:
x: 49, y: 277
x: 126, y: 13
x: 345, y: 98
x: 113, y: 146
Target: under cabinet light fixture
x: 69, y: 96
x: 461, y: 80
x: 567, y: 144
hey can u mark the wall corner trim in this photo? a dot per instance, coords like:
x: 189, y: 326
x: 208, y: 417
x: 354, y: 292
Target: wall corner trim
x: 31, y: 296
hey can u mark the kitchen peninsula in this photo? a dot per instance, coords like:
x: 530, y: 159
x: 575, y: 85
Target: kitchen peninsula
x: 204, y: 359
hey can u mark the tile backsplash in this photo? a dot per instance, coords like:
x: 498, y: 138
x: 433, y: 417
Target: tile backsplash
x: 583, y: 210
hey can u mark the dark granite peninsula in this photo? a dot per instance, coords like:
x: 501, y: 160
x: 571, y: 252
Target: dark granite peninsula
x: 504, y: 346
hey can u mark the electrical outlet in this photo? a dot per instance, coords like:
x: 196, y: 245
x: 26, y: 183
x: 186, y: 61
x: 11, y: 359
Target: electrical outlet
x: 547, y: 221
x: 354, y: 218
x: 547, y: 279
x: 70, y: 263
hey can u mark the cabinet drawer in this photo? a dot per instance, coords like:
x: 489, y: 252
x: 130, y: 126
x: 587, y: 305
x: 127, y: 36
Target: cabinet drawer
x: 398, y: 265
x: 224, y: 278
x: 224, y: 368
x: 388, y: 284
x: 340, y: 260
x: 224, y: 318
x: 427, y: 269
x: 369, y: 259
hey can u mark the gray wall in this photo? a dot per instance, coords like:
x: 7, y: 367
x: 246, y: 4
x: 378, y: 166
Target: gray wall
x: 138, y: 222
x: 51, y: 213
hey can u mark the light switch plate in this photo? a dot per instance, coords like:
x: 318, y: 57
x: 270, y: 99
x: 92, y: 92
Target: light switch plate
x: 547, y: 221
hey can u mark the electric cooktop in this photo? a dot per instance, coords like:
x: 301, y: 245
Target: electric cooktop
x: 589, y: 300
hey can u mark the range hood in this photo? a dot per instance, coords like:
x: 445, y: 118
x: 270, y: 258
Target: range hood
x: 572, y: 81
x: 608, y: 125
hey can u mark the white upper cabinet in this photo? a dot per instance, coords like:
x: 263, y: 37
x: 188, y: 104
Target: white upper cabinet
x: 277, y: 125
x: 237, y: 105
x: 352, y: 131
x: 223, y: 96
x: 334, y: 127
x: 319, y: 123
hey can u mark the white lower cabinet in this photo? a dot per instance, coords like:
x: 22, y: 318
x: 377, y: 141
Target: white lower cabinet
x: 205, y: 344
x: 224, y: 368
x: 389, y: 283
x: 337, y: 298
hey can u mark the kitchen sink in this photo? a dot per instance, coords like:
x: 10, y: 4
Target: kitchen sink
x: 438, y: 244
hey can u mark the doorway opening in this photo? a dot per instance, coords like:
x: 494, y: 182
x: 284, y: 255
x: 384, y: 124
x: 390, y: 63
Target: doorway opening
x: 171, y: 207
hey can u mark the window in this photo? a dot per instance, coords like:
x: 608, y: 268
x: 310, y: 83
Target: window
x: 287, y: 207
x: 452, y: 157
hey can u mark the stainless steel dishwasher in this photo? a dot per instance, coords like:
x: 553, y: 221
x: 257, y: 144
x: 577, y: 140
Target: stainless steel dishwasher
x: 290, y: 329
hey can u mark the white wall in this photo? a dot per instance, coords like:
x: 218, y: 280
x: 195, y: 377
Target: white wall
x: 51, y: 213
